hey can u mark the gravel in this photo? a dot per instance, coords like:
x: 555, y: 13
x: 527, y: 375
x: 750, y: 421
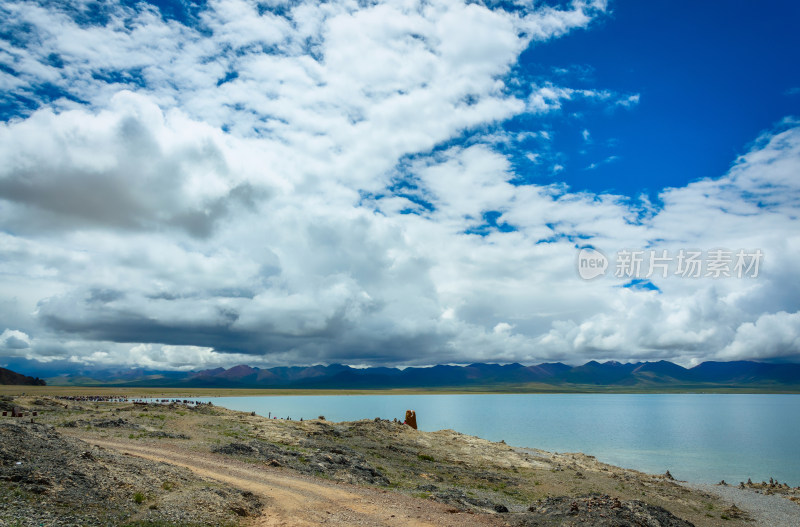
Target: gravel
x: 335, y: 462
x: 49, y: 479
x: 766, y: 510
x: 599, y: 511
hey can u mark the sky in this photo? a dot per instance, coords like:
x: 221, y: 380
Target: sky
x: 202, y: 184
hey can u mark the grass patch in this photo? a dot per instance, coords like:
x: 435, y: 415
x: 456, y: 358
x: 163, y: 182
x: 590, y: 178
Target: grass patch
x: 154, y: 416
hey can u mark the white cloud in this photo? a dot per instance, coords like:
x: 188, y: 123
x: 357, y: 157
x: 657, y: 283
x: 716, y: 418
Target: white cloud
x: 322, y: 203
x: 503, y: 327
x: 630, y: 100
x: 774, y: 335
x: 609, y: 159
x: 11, y: 339
x: 129, y: 166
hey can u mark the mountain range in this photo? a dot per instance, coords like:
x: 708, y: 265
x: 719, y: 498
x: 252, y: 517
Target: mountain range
x: 509, y: 377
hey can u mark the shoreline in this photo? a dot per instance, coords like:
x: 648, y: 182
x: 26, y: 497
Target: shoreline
x: 769, y: 510
x: 464, y: 474
x: 706, y: 477
x: 16, y: 390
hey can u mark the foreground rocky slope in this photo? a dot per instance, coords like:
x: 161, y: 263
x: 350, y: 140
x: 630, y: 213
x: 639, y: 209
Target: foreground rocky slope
x: 49, y: 479
x: 49, y: 476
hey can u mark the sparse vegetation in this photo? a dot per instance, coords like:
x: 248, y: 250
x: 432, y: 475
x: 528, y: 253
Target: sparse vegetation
x: 462, y: 471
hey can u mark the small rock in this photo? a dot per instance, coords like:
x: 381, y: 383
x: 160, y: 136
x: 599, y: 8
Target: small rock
x: 735, y: 512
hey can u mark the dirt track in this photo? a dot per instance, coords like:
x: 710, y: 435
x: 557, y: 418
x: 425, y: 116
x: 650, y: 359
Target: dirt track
x: 293, y: 499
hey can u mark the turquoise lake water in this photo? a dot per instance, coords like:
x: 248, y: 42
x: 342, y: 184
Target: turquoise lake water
x: 697, y: 437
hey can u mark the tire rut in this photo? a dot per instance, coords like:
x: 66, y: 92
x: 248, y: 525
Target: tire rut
x: 294, y: 500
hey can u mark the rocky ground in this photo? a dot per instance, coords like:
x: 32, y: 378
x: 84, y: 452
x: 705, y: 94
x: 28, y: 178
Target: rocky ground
x: 599, y: 511
x: 47, y: 478
x: 50, y: 476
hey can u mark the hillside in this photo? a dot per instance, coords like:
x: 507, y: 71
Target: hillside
x: 12, y: 377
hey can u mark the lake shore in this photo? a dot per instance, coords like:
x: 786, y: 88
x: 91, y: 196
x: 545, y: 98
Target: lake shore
x: 172, y: 392
x: 450, y: 477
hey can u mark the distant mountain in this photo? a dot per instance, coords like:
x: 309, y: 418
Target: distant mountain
x: 661, y: 372
x: 12, y: 377
x: 549, y: 370
x: 606, y: 373
x: 590, y: 376
x: 745, y: 372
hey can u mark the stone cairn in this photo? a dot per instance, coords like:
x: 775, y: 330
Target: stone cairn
x: 411, y: 419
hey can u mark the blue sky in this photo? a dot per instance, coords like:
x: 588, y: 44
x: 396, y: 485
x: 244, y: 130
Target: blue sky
x: 710, y: 76
x: 186, y: 186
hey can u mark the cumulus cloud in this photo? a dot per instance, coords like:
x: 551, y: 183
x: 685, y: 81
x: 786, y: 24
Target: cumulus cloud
x: 323, y: 183
x: 14, y: 340
x: 773, y: 335
x: 129, y: 166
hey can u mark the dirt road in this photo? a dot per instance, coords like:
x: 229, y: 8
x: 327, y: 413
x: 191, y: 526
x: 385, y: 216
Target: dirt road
x: 293, y: 499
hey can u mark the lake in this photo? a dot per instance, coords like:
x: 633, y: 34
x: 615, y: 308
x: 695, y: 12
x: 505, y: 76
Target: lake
x: 700, y: 438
